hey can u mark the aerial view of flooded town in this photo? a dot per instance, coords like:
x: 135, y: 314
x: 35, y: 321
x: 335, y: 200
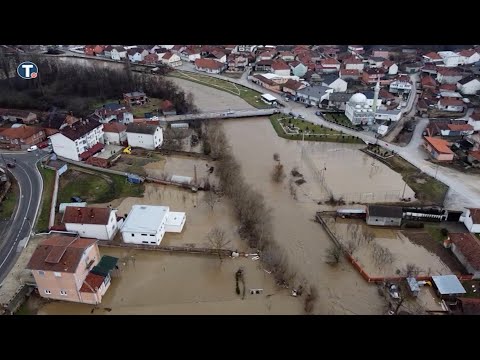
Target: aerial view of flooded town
x: 239, y: 179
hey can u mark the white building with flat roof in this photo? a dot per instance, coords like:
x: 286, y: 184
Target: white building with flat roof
x: 147, y: 224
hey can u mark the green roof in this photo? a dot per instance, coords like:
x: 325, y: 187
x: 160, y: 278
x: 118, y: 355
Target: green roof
x: 105, y: 266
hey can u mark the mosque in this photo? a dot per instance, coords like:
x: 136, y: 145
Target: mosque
x: 359, y: 111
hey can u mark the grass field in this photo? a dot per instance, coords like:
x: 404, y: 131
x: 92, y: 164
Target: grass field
x: 339, y: 119
x: 250, y: 96
x: 320, y: 133
x: 9, y: 202
x: 48, y: 182
x: 96, y: 187
x: 427, y: 189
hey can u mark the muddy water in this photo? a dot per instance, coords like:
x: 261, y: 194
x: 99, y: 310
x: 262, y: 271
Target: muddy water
x: 402, y: 249
x: 159, y: 283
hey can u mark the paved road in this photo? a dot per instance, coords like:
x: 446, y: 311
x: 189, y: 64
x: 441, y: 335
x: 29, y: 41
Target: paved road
x: 20, y: 226
x: 465, y: 189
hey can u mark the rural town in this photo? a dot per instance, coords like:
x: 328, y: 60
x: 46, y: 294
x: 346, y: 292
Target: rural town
x: 239, y: 179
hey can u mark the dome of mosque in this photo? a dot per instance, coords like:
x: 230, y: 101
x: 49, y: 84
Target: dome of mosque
x: 358, y: 98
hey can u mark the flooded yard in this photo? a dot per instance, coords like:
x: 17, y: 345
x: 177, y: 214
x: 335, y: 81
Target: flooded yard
x: 160, y: 283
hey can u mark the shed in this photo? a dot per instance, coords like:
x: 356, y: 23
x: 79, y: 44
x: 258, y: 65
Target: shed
x: 106, y: 265
x: 448, y: 285
x: 382, y: 215
x: 181, y: 179
x: 413, y: 286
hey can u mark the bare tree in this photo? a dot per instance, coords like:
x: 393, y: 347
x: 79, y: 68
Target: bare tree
x: 333, y: 254
x: 217, y: 238
x: 412, y: 270
x: 278, y: 173
x: 173, y: 139
x: 310, y: 299
x: 211, y: 198
x: 351, y: 247
x: 381, y: 256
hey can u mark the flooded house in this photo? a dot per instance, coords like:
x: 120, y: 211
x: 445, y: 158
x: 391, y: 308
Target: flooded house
x: 381, y: 215
x: 66, y: 268
x: 91, y: 222
x: 466, y: 248
x: 147, y: 224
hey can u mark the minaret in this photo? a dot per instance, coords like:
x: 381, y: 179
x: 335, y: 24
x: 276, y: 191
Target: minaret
x: 375, y: 97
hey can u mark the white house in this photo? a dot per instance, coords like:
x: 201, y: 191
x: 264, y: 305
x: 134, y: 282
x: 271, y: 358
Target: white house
x: 468, y: 57
x: 210, y: 66
x: 146, y: 224
x: 450, y: 104
x: 114, y: 133
x: 313, y: 95
x: 402, y: 84
x: 446, y: 75
x: 170, y: 59
x: 245, y: 49
x: 220, y: 56
x: 113, y: 111
x: 353, y: 63
x: 335, y: 83
x: 118, y: 53
x: 432, y: 57
x: 450, y: 58
x: 469, y: 85
x: 91, y: 222
x: 474, y: 120
x: 392, y: 115
x: 466, y: 248
x: 471, y: 219
x: 78, y: 141
x: 144, y: 136
x: 279, y: 67
x: 190, y: 54
x: 136, y: 54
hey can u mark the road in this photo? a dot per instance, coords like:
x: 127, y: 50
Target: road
x: 464, y: 188
x: 19, y: 228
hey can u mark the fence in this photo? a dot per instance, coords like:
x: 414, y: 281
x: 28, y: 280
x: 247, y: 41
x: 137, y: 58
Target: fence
x: 51, y: 220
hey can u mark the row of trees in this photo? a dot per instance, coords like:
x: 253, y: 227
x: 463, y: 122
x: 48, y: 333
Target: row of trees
x: 76, y: 88
x: 252, y: 212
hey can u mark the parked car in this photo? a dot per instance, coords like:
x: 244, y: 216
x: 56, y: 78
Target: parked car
x: 76, y: 199
x: 308, y: 106
x: 43, y: 145
x: 32, y: 148
x: 301, y: 117
x: 10, y: 165
x: 318, y: 113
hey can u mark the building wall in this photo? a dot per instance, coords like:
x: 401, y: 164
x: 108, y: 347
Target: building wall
x: 383, y: 221
x: 92, y: 254
x: 464, y: 262
x: 444, y: 157
x: 146, y: 141
x: 393, y: 70
x: 339, y: 85
x: 355, y: 66
x: 65, y: 147
x: 470, y: 88
x: 101, y: 232
x: 300, y: 70
x: 451, y: 61
x: 473, y: 228
x: 282, y: 72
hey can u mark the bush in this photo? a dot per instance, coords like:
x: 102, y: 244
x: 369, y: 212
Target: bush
x: 444, y: 232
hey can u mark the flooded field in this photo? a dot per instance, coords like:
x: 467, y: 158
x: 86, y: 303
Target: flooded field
x: 160, y: 283
x: 403, y: 251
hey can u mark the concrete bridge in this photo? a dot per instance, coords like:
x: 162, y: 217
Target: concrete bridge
x: 226, y: 114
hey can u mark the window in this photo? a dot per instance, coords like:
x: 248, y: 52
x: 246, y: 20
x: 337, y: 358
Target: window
x: 63, y: 292
x: 57, y: 274
x: 144, y: 234
x: 152, y: 234
x: 145, y: 242
x: 41, y: 273
x: 133, y: 234
x: 48, y: 292
x: 376, y: 219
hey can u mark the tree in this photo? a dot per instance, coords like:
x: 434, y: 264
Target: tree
x: 278, y: 173
x: 217, y: 239
x: 333, y: 254
x: 211, y: 198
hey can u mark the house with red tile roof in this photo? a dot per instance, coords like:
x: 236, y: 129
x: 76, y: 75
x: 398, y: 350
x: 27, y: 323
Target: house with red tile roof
x: 466, y: 248
x: 473, y: 158
x: 448, y: 75
x: 450, y: 104
x: 353, y: 63
x: 390, y: 67
x: 171, y: 59
x: 447, y: 87
x: 237, y: 62
x: 349, y: 74
x: 210, y: 66
x: 92, y: 222
x: 474, y: 120
x: 71, y: 269
x: 286, y: 56
x: 471, y: 216
x: 330, y: 65
x: 432, y: 57
x: 167, y: 108
x: 428, y: 82
x: 280, y: 67
x: 18, y: 116
x: 469, y: 56
x: 21, y: 137
x: 114, y: 133
x: 190, y: 54
x: 438, y: 149
x: 292, y: 86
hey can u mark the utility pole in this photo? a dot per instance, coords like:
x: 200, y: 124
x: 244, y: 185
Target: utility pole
x: 436, y: 171
x: 404, y: 188
x: 195, y: 174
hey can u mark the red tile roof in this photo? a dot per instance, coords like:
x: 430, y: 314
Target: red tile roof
x: 469, y: 246
x: 329, y: 61
x: 59, y: 253
x: 349, y: 72
x: 280, y: 65
x: 428, y: 81
x: 92, y: 283
x: 92, y: 151
x: 467, y: 53
x: 352, y: 60
x: 448, y: 71
x: 167, y: 55
x: 86, y: 215
x: 475, y: 212
x: 208, y: 64
x: 451, y: 102
x: 433, y: 55
x: 286, y: 53
x: 114, y: 127
x: 448, y: 87
x: 166, y: 105
x: 293, y: 84
x: 474, y: 154
x: 439, y: 144
x: 21, y: 132
x: 461, y: 127
x: 388, y: 63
